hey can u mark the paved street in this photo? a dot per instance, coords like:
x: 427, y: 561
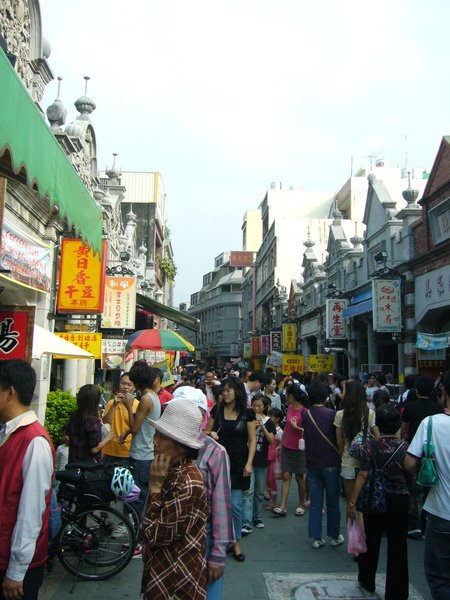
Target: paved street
x: 280, y: 565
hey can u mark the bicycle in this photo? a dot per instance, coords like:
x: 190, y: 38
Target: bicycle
x: 86, y: 544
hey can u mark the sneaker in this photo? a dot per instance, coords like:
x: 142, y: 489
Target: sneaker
x: 119, y: 531
x: 338, y: 541
x: 318, y: 543
x: 246, y: 529
x: 258, y: 524
x: 137, y: 552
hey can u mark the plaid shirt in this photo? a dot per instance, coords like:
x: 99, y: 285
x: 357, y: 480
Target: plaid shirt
x: 214, y: 465
x: 174, y: 535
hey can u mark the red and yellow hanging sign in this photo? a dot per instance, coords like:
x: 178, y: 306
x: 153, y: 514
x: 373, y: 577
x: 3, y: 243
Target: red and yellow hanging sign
x: 91, y: 342
x: 81, y: 278
x: 289, y: 337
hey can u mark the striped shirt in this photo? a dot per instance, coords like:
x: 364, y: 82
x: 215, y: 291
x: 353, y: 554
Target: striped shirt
x: 174, y: 536
x: 214, y: 466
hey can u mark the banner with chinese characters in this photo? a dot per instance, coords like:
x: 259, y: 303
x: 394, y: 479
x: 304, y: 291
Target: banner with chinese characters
x: 16, y: 332
x: 241, y: 259
x: 275, y: 341
x: 247, y: 350
x: 256, y: 345
x: 265, y: 344
x: 433, y: 341
x: 320, y: 363
x: 289, y: 337
x: 387, y: 305
x: 119, y: 308
x: 292, y: 362
x: 113, y: 354
x: 336, y: 327
x: 91, y: 342
x: 81, y: 278
x: 29, y: 261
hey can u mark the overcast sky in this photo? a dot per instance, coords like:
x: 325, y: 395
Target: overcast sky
x: 223, y: 97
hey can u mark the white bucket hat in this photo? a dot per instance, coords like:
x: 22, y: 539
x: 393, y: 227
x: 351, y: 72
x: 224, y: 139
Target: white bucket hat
x: 181, y: 422
x: 187, y: 392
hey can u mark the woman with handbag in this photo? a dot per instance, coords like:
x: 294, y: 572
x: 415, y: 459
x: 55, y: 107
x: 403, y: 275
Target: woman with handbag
x: 354, y: 423
x: 383, y: 486
x: 323, y: 462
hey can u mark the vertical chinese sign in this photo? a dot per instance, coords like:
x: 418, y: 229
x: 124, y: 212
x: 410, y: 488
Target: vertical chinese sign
x: 256, y: 345
x: 336, y: 328
x: 265, y: 344
x: 275, y: 341
x: 119, y: 309
x: 247, y: 350
x: 81, y: 278
x: 387, y: 305
x: 16, y: 332
x: 289, y: 337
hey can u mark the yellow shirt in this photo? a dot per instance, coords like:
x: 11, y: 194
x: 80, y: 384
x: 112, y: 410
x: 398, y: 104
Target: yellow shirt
x: 119, y: 424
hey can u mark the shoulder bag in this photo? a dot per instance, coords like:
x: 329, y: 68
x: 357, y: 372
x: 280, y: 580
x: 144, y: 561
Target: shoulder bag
x: 372, y: 497
x: 427, y: 475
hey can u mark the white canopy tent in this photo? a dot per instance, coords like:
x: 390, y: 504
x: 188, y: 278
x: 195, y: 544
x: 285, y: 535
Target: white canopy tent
x: 46, y: 342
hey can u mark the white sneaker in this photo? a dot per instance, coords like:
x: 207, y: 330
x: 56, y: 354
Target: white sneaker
x: 318, y: 543
x: 338, y: 541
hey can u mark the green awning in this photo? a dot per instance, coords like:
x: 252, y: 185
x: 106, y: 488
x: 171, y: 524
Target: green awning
x: 174, y: 315
x: 30, y: 152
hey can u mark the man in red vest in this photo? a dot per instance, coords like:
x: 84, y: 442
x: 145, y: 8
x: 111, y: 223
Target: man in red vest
x: 26, y: 470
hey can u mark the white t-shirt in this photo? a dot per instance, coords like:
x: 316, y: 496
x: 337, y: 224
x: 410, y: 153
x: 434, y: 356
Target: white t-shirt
x: 348, y: 461
x: 438, y: 500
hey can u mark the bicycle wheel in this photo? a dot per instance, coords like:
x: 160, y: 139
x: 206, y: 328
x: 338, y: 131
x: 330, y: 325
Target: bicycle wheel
x: 87, y: 548
x: 131, y: 513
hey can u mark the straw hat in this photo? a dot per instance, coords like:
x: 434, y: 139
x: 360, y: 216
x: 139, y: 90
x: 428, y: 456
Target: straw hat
x: 181, y: 422
x: 187, y: 392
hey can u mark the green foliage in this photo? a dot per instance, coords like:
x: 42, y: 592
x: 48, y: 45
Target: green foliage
x: 60, y: 405
x: 168, y: 268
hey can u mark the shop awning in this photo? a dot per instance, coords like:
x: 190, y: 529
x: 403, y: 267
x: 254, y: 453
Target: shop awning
x: 46, y: 342
x: 167, y: 312
x: 30, y: 153
x: 358, y: 309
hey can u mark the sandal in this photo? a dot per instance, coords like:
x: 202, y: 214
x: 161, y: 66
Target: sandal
x: 299, y: 512
x: 278, y: 512
x: 270, y: 507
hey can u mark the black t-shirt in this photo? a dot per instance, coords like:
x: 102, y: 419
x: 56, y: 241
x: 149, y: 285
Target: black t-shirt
x: 262, y: 445
x: 415, y: 412
x: 234, y: 438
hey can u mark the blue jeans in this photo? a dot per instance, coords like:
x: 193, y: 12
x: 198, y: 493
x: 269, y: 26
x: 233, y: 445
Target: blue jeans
x: 141, y: 476
x: 437, y: 557
x: 237, y: 499
x: 213, y: 590
x: 325, y: 480
x: 254, y: 496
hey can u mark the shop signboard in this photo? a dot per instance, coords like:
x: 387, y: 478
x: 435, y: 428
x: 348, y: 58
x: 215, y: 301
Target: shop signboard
x: 320, y: 363
x: 256, y: 345
x: 292, y: 362
x: 265, y: 344
x: 167, y: 379
x: 113, y: 354
x: 336, y: 325
x: 387, y: 305
x: 119, y: 309
x: 91, y: 342
x: 16, y: 332
x: 81, y: 278
x: 29, y: 261
x: 289, y: 337
x: 239, y: 258
x: 275, y: 341
x: 247, y: 350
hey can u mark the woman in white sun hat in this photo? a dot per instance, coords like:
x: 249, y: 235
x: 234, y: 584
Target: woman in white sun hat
x: 174, y: 526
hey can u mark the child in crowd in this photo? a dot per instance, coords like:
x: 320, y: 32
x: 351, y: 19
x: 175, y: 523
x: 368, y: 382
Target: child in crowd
x: 254, y: 498
x: 276, y: 416
x: 62, y: 452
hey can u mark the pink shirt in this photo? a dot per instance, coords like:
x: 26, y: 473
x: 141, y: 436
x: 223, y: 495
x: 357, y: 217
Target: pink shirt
x: 291, y: 435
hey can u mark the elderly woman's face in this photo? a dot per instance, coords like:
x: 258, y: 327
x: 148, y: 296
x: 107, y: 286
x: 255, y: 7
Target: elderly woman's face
x: 167, y: 446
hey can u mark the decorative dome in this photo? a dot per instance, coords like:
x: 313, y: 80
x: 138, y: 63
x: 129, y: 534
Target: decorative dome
x: 56, y: 112
x: 84, y: 105
x: 46, y: 48
x: 410, y: 196
x: 75, y: 130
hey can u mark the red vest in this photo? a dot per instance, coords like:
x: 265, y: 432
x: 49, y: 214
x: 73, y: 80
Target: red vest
x: 12, y: 453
